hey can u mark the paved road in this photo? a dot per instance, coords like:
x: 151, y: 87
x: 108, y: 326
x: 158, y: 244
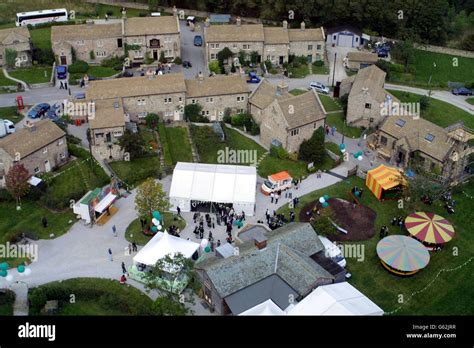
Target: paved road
x: 192, y: 53
x: 38, y: 95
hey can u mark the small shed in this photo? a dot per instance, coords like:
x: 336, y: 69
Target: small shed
x: 220, y: 19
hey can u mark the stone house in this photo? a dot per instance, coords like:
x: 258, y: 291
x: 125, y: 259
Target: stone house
x: 237, y: 37
x: 19, y: 40
x: 367, y: 97
x: 307, y: 42
x: 264, y: 95
x: 105, y: 40
x: 358, y: 60
x: 40, y: 147
x: 217, y: 93
x: 291, y: 120
x: 161, y: 94
x: 107, y: 125
x: 154, y: 35
x: 442, y: 151
x: 284, y: 267
x: 272, y: 43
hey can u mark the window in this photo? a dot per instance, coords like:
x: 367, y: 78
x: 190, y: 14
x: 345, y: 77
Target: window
x: 45, y: 150
x: 240, y: 99
x: 310, y: 47
x: 429, y: 137
x: 213, y: 56
x: 141, y: 101
x: 80, y: 42
x: 334, y: 37
x: 100, y: 43
x: 246, y: 47
x: 368, y: 105
x: 37, y: 170
x: 221, y: 113
x: 101, y: 54
x: 118, y: 134
x: 62, y: 156
x: 314, y: 125
x: 193, y: 101
x: 119, y: 43
x: 217, y: 45
x: 99, y: 135
x: 400, y: 122
x: 167, y: 100
x: 295, y: 132
x: 207, y: 112
x: 357, y: 39
x: 383, y: 140
x: 241, y: 110
x: 135, y: 41
x: 180, y: 99
x: 318, y: 47
x: 209, y: 100
x: 142, y: 115
x: 234, y: 46
x: 203, y: 112
x: 1, y: 56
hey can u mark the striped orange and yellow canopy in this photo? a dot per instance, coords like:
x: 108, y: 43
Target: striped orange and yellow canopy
x: 429, y: 227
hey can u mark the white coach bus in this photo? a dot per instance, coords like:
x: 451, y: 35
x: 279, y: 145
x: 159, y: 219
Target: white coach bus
x: 39, y: 17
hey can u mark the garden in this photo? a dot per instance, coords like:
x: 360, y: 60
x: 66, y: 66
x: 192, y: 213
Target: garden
x: 385, y: 288
x: 32, y: 75
x: 175, y: 144
x: 10, y: 113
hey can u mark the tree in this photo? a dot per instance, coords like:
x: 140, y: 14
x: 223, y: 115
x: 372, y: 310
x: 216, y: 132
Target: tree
x: 254, y: 57
x: 214, y: 67
x: 243, y: 57
x: 404, y: 52
x: 150, y: 197
x: 192, y: 113
x: 132, y: 143
x: 152, y: 120
x: 16, y: 181
x: 424, y: 102
x: 153, y: 5
x: 162, y: 57
x: 10, y: 57
x: 224, y: 55
x: 313, y: 150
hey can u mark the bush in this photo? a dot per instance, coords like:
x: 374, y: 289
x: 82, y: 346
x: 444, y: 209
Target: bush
x: 227, y: 115
x: 142, y: 14
x: 399, y: 68
x: 79, y: 67
x: 268, y: 64
x: 469, y: 84
x: 278, y: 152
x: 424, y: 102
x: 178, y: 61
x: 5, y: 196
x: 255, y: 129
x: 114, y: 62
x: 244, y: 120
x: 37, y: 298
x: 43, y: 57
x: 319, y: 63
x: 214, y: 67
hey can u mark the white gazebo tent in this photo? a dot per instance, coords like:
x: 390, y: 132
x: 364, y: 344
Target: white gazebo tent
x: 163, y: 244
x: 265, y: 308
x: 335, y: 299
x: 213, y: 183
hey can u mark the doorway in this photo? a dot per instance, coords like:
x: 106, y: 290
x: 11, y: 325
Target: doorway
x: 281, y: 60
x: 155, y: 55
x: 47, y: 166
x: 63, y: 60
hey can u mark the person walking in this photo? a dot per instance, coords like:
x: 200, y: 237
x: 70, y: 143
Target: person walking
x: 277, y: 196
x: 179, y: 211
x: 218, y: 243
x: 114, y: 230
x: 110, y: 255
x: 65, y: 84
x: 272, y: 196
x: 333, y: 130
x: 129, y: 248
x: 44, y: 221
x: 124, y: 269
x: 134, y: 246
x: 61, y: 85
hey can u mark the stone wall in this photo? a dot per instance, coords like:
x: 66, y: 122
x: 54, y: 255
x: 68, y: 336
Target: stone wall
x: 155, y: 104
x: 304, y: 133
x: 274, y: 52
x: 103, y: 48
x: 214, y: 106
x: 300, y: 48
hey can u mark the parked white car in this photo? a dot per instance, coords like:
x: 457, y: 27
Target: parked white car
x: 319, y: 87
x: 333, y: 252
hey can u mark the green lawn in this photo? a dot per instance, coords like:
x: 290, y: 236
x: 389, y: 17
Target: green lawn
x: 470, y: 100
x: 9, y: 113
x: 440, y: 75
x: 135, y: 171
x: 298, y: 91
x: 334, y: 148
x: 271, y: 165
x: 298, y: 72
x: 337, y: 119
x: 439, y: 112
x: 93, y: 296
x: 329, y: 103
x: 320, y: 70
x: 135, y: 234
x: 4, y: 81
x: 179, y: 146
x: 450, y: 294
x: 41, y: 38
x: 7, y: 299
x: 39, y: 74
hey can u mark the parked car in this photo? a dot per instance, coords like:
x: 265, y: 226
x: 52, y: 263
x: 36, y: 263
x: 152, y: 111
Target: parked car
x: 187, y: 64
x: 461, y: 91
x: 6, y: 127
x: 198, y: 40
x: 61, y: 72
x: 381, y: 52
x: 39, y: 110
x: 127, y: 73
x: 80, y: 95
x: 319, y: 87
x: 253, y: 77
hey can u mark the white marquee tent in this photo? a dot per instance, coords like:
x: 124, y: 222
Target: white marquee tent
x: 163, y: 244
x: 265, y: 308
x: 335, y: 299
x: 215, y: 183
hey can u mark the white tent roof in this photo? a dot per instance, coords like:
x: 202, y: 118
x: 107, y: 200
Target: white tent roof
x: 163, y: 244
x: 214, y: 183
x: 105, y: 202
x: 336, y: 299
x: 265, y: 308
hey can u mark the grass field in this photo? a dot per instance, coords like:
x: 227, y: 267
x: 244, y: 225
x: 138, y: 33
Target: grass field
x: 298, y: 91
x: 444, y: 71
x: 337, y: 120
x: 470, y: 100
x: 101, y: 297
x: 441, y: 113
x: 38, y: 74
x: 135, y: 171
x: 298, y: 72
x: 179, y: 146
x: 9, y: 113
x: 135, y: 234
x: 334, y: 148
x: 41, y: 38
x: 4, y: 81
x: 320, y: 70
x: 450, y: 294
x: 329, y: 103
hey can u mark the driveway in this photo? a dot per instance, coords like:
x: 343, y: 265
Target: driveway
x: 192, y: 53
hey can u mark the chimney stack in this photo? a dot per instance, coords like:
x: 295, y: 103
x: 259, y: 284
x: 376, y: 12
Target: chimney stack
x: 285, y: 25
x: 303, y: 26
x: 282, y: 88
x: 239, y: 21
x: 30, y: 126
x: 207, y: 22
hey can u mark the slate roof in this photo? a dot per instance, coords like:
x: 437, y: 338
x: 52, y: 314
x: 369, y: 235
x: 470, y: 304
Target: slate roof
x: 415, y: 131
x: 370, y: 80
x: 263, y: 95
x: 234, y: 33
x: 85, y: 32
x: 108, y: 113
x: 368, y: 57
x: 302, y: 109
x: 25, y: 142
x: 316, y: 34
x: 139, y: 26
x: 9, y: 35
x: 275, y: 36
x: 216, y: 85
x: 287, y: 255
x: 136, y: 86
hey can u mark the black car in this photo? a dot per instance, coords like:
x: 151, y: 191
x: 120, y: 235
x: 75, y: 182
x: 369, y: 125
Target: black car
x: 127, y: 73
x: 187, y: 64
